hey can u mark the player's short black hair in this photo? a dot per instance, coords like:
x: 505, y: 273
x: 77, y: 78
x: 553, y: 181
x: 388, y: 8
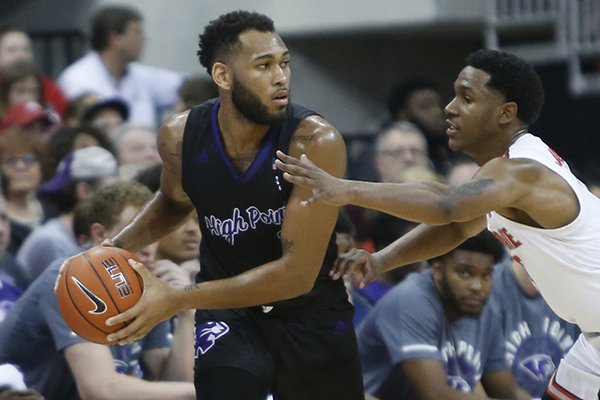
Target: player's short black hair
x: 221, y: 35
x: 514, y: 78
x: 401, y: 91
x: 485, y: 243
x: 112, y: 18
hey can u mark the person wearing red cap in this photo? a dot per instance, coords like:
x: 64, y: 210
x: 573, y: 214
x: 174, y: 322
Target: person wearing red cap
x: 28, y: 115
x: 20, y: 84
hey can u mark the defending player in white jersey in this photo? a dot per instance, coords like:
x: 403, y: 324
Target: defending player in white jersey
x: 524, y: 193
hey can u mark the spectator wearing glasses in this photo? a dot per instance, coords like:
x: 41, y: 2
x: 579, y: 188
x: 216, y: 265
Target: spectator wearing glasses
x: 20, y: 155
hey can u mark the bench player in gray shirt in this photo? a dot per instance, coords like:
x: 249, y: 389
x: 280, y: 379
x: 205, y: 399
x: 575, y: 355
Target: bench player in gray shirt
x: 434, y: 337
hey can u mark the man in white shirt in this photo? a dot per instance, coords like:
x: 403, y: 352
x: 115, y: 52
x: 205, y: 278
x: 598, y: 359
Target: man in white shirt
x: 111, y: 68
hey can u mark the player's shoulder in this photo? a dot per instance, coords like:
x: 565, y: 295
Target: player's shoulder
x: 520, y: 169
x: 417, y: 288
x: 314, y: 131
x: 321, y: 142
x: 316, y: 125
x: 174, y: 126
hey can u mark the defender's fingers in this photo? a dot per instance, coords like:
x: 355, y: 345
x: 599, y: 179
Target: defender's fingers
x: 307, y: 161
x: 342, y: 267
x: 286, y: 158
x: 296, y: 170
x: 298, y: 179
x: 368, y: 275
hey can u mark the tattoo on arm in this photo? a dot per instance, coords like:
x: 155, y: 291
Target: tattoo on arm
x: 475, y: 187
x: 303, y: 138
x: 287, y: 245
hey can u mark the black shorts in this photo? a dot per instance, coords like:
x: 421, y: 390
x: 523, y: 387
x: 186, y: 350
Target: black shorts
x: 306, y: 356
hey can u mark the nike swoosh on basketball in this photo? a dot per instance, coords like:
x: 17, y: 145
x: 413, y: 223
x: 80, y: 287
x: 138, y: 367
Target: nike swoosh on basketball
x: 100, y: 305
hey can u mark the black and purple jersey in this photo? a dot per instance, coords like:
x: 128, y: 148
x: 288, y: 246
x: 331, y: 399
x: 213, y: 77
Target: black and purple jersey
x: 240, y: 213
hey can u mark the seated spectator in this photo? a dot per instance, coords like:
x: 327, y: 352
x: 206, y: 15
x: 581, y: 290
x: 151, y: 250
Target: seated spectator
x: 20, y: 164
x: 15, y: 45
x: 181, y: 245
x: 79, y: 175
x: 19, y: 83
x: 106, y: 115
x: 418, y: 100
x: 536, y: 338
x: 111, y: 69
x: 136, y: 149
x: 193, y: 91
x: 30, y: 117
x: 434, y: 337
x: 10, y: 270
x: 77, y: 106
x: 21, y: 96
x: 61, y: 365
x: 67, y: 139
x: 399, y: 146
x: 463, y: 168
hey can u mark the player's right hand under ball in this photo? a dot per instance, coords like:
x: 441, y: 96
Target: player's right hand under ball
x: 155, y: 305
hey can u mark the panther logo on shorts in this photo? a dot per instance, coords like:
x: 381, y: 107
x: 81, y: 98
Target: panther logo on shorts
x: 207, y: 334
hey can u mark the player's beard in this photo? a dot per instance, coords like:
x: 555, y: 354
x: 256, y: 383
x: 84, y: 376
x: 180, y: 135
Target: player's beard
x: 250, y: 106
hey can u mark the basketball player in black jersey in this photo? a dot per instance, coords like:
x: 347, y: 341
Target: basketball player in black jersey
x: 269, y: 319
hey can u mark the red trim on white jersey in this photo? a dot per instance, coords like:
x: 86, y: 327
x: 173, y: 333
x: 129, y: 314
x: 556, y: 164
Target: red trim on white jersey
x: 555, y: 391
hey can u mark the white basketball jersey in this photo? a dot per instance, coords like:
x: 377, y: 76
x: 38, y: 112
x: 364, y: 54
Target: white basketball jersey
x: 564, y: 262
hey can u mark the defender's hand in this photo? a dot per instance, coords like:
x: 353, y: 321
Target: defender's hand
x: 359, y: 262
x: 303, y: 172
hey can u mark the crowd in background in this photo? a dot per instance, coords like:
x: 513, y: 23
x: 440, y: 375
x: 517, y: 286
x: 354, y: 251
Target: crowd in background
x: 64, y: 142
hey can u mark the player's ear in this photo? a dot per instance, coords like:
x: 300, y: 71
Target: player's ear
x: 508, y: 112
x: 97, y: 233
x: 222, y: 75
x: 437, y: 268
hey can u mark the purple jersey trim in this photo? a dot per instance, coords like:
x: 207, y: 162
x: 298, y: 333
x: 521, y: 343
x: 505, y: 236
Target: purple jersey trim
x: 258, y: 160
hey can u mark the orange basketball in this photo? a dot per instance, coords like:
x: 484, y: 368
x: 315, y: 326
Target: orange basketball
x: 96, y: 285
